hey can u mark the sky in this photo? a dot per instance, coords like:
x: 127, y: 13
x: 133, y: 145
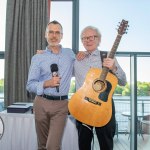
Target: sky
x: 104, y: 14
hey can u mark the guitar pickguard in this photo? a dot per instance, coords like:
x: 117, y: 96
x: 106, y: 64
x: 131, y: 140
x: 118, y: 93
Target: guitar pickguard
x: 104, y: 95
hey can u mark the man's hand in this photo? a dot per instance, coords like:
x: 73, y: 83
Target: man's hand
x: 81, y: 55
x: 55, y: 81
x: 110, y: 63
x: 39, y: 51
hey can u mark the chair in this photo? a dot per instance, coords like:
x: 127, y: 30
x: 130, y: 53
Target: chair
x: 145, y: 124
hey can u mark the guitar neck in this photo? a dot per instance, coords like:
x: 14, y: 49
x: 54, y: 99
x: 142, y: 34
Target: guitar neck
x: 115, y: 46
x: 104, y: 72
x: 111, y: 54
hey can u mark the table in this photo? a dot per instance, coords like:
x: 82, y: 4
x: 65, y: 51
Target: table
x: 20, y: 134
x: 140, y: 115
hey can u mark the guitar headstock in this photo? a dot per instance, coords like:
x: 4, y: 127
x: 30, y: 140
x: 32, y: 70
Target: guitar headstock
x: 123, y: 27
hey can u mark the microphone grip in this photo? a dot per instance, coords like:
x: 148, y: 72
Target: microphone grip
x: 55, y: 74
x: 57, y: 88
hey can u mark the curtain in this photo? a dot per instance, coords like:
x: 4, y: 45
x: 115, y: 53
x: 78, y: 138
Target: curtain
x: 26, y: 21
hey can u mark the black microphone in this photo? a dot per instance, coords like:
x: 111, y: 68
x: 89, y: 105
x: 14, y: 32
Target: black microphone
x: 54, y: 70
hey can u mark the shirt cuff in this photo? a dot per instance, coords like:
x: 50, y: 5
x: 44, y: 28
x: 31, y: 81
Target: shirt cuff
x: 40, y: 89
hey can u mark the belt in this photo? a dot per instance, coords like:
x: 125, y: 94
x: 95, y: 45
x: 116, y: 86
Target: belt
x: 55, y: 97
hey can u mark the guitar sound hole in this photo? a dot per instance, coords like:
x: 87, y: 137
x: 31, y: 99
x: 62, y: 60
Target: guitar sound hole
x: 98, y: 85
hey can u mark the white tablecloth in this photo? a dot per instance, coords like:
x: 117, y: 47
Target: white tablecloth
x: 20, y: 134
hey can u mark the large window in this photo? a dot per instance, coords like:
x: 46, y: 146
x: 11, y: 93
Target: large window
x: 106, y: 14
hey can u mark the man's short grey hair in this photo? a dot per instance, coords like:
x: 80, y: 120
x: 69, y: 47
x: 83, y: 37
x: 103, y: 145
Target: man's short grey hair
x: 54, y: 22
x: 92, y: 28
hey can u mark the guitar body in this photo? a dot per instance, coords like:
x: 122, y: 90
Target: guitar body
x: 92, y: 107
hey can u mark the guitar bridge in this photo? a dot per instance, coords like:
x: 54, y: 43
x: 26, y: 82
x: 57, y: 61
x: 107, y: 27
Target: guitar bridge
x: 92, y: 101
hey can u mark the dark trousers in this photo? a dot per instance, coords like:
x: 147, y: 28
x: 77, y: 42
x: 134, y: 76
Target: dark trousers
x: 104, y: 134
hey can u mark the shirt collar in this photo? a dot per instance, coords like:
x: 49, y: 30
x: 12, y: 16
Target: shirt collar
x: 95, y: 53
x: 50, y: 51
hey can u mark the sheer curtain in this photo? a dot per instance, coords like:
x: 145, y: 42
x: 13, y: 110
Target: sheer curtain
x: 26, y: 21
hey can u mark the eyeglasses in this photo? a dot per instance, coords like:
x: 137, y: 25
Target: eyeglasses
x: 54, y: 32
x: 91, y: 38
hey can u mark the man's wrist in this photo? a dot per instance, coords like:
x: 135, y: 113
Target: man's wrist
x: 114, y: 69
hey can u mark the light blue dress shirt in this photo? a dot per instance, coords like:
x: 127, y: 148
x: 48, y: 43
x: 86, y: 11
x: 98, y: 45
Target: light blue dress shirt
x: 40, y: 71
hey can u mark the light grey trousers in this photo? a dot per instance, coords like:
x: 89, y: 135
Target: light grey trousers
x: 50, y: 120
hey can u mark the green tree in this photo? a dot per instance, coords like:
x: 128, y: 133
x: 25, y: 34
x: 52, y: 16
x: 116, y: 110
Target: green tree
x: 118, y: 90
x: 72, y: 86
x: 143, y: 89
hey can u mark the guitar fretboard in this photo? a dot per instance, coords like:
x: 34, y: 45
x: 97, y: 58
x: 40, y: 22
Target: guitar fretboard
x: 121, y: 31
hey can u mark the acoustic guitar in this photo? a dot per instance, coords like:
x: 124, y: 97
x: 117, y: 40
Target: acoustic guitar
x: 92, y: 103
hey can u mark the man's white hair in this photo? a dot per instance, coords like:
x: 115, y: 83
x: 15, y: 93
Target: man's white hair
x: 92, y: 28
